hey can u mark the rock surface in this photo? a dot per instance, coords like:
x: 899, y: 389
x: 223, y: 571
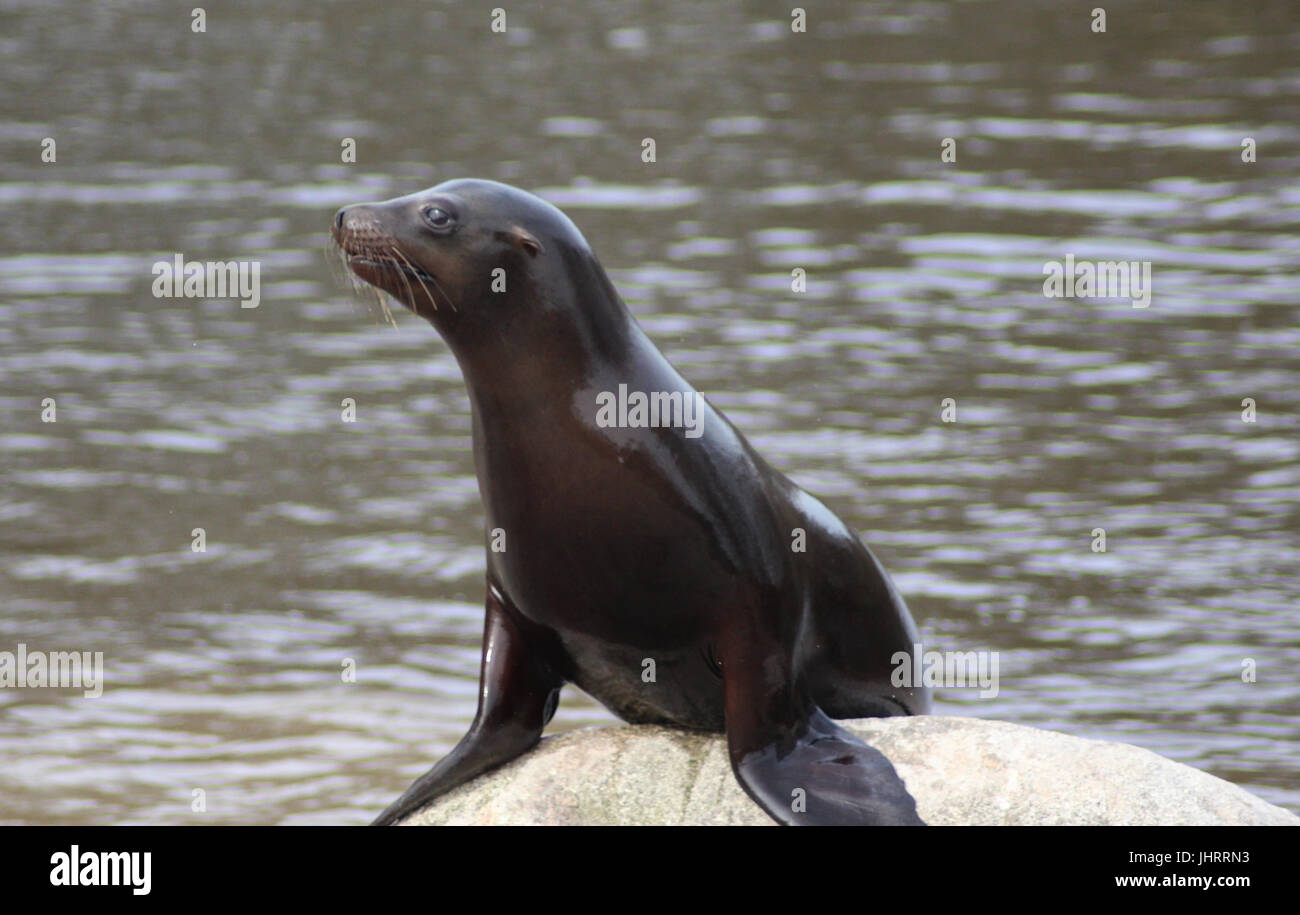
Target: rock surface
x: 962, y: 771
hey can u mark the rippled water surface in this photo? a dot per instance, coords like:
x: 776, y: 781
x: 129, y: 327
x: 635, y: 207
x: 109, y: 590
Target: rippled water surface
x: 329, y: 541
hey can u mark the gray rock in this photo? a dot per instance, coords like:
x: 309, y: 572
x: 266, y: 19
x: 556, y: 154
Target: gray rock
x: 962, y: 771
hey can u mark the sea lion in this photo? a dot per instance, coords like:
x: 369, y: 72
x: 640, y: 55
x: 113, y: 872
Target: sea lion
x: 651, y: 558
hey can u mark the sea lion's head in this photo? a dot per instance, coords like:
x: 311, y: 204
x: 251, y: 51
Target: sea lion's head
x: 453, y: 253
x: 505, y: 277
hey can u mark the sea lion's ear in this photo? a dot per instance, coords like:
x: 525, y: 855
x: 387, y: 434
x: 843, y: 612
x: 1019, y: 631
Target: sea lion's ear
x: 522, y: 238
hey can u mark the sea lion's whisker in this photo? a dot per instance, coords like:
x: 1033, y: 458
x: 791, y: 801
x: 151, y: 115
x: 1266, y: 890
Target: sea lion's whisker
x: 418, y: 278
x: 392, y: 264
x: 335, y: 248
x: 407, y: 276
x: 438, y: 286
x: 383, y: 306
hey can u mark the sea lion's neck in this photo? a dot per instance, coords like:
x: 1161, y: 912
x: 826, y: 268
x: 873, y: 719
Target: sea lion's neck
x: 546, y: 341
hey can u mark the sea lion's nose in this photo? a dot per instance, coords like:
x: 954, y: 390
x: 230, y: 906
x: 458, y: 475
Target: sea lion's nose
x: 338, y: 219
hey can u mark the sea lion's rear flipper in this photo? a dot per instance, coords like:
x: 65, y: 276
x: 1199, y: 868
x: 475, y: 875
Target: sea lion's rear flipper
x: 518, y: 691
x: 798, y: 764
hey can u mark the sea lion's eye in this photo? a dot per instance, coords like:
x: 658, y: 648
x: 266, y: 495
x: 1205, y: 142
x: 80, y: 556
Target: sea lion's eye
x: 438, y: 218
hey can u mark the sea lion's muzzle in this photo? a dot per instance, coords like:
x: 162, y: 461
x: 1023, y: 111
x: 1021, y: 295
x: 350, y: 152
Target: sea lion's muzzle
x: 361, y: 232
x: 376, y: 256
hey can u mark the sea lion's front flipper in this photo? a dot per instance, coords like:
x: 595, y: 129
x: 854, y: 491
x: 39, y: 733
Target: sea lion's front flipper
x: 518, y: 691
x: 794, y: 761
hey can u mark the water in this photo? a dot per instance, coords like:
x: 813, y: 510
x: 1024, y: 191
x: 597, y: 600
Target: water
x: 329, y: 541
